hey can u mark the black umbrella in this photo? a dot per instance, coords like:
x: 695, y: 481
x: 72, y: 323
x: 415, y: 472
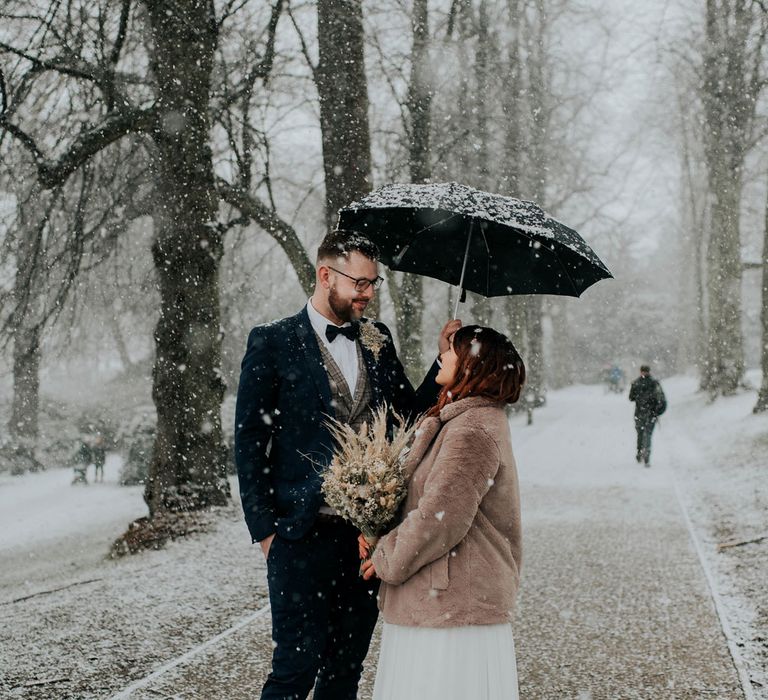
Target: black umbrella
x: 483, y: 242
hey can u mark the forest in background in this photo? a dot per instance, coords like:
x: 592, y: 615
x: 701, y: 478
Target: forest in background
x: 167, y: 170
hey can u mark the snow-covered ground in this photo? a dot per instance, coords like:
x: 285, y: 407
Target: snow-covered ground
x: 82, y: 626
x: 719, y: 455
x: 46, y: 506
x: 45, y: 520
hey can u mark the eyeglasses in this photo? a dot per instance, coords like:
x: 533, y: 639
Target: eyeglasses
x: 361, y: 283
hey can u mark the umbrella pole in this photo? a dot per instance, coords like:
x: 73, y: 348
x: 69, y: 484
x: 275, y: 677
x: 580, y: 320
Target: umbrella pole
x: 463, y: 269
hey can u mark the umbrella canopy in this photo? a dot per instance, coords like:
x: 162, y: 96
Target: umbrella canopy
x: 483, y: 242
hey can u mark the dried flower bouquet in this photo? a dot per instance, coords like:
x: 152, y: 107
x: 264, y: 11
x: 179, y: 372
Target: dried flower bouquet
x: 365, y: 482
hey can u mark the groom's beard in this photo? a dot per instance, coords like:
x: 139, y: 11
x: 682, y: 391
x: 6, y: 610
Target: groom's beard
x: 344, y: 309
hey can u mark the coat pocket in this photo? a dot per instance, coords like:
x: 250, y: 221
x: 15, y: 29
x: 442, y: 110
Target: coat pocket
x: 438, y: 573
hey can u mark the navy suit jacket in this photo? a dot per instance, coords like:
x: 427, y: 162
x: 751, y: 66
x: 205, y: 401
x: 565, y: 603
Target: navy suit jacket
x: 281, y: 441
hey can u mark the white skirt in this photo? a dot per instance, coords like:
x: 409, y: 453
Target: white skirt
x: 452, y: 663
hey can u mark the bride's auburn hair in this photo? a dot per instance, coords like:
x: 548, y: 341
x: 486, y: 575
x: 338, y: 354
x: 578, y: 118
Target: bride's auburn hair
x: 487, y: 364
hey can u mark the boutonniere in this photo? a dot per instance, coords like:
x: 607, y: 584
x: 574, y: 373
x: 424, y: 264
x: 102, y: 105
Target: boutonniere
x: 372, y: 338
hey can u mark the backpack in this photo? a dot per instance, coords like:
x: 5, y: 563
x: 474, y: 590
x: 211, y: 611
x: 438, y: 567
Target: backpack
x: 660, y: 399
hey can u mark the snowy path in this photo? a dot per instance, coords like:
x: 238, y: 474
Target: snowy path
x: 614, y: 604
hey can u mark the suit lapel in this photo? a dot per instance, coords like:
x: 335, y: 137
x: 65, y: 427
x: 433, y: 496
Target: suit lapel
x: 362, y: 381
x: 374, y: 378
x: 314, y: 359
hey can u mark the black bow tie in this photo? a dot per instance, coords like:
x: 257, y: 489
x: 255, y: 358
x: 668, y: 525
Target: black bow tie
x: 352, y: 332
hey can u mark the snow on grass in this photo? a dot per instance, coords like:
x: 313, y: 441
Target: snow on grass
x: 46, y: 506
x: 719, y: 453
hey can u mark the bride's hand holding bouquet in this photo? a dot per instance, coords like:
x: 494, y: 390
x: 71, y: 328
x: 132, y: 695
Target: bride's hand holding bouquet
x: 365, y: 482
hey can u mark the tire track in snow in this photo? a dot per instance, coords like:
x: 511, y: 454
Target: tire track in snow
x: 126, y: 693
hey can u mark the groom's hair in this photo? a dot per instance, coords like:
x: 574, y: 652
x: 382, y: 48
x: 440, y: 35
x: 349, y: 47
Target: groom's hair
x: 340, y: 243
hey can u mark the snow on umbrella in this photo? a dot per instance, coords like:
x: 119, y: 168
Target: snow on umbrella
x: 482, y: 242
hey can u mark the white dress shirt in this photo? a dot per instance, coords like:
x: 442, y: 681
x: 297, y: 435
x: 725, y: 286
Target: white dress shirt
x: 342, y: 349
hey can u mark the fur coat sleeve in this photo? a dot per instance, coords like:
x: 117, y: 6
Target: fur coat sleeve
x: 464, y: 460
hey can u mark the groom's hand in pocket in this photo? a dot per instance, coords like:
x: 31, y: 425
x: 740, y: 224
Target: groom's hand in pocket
x: 265, y: 544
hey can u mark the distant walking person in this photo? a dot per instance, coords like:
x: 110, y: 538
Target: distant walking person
x: 99, y: 456
x: 83, y: 459
x: 650, y: 403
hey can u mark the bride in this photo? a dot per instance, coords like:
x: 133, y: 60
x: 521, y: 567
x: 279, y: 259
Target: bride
x: 450, y: 570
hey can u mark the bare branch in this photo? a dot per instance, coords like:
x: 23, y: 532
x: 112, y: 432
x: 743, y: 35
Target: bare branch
x: 122, y: 31
x: 303, y: 42
x: 87, y: 144
x: 262, y: 69
x: 230, y: 10
x: 83, y: 71
x: 25, y: 139
x: 267, y: 219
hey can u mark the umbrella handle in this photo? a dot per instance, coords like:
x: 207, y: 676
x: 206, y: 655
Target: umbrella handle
x: 462, y: 292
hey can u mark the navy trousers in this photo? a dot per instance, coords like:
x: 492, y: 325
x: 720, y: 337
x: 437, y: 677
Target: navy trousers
x: 323, y: 614
x: 644, y: 426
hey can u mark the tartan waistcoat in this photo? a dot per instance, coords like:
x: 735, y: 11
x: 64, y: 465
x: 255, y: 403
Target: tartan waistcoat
x: 353, y: 409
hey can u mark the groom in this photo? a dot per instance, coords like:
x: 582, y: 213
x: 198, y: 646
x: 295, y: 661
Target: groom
x: 327, y: 360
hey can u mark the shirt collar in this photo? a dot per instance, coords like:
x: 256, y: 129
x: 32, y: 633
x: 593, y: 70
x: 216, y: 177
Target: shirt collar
x: 318, y: 321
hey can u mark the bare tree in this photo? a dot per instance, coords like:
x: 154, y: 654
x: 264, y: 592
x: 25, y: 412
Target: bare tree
x: 54, y: 237
x: 171, y: 107
x: 250, y: 149
x: 731, y: 82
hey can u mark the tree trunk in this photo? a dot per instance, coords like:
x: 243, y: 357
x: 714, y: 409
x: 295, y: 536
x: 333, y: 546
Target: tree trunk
x: 732, y: 81
x: 514, y: 308
x: 482, y: 90
x: 534, y: 361
x: 482, y: 311
x: 420, y: 96
x: 408, y: 295
x: 408, y: 299
x: 343, y: 91
x: 689, y: 314
x: 762, y: 398
x: 560, y: 370
x: 117, y: 335
x: 514, y: 138
x: 538, y: 166
x: 724, y: 364
x: 512, y: 167
x: 701, y: 306
x: 23, y: 426
x: 188, y: 467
